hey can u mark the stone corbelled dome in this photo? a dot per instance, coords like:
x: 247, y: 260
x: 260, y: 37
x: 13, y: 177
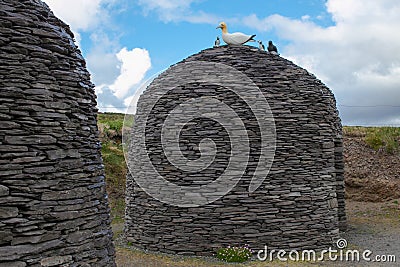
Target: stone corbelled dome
x: 300, y: 204
x: 53, y: 204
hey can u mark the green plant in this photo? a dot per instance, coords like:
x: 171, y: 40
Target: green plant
x: 234, y: 254
x: 386, y: 138
x: 110, y: 126
x: 354, y: 131
x: 116, y: 125
x: 117, y: 205
x: 115, y: 168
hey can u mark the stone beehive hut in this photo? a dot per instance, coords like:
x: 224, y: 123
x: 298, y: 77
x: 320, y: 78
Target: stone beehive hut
x: 299, y: 205
x: 53, y: 203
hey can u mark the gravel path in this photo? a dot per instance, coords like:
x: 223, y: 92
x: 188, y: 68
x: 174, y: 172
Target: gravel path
x: 376, y: 227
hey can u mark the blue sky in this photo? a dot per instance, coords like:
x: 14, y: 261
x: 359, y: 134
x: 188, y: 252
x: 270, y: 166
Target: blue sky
x: 351, y: 45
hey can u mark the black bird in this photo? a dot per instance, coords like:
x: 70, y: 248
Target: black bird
x: 272, y: 48
x: 217, y: 42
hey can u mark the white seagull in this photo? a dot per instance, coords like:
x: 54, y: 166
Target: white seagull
x: 236, y: 38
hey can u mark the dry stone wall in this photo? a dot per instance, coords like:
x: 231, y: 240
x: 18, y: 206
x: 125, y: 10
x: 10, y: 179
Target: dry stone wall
x: 53, y: 203
x: 300, y: 204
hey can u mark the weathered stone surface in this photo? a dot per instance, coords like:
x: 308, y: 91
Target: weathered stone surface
x: 13, y: 264
x: 25, y: 140
x: 5, y: 237
x: 300, y: 204
x: 51, y: 172
x: 56, y: 261
x: 8, y: 212
x: 8, y: 253
x: 4, y: 191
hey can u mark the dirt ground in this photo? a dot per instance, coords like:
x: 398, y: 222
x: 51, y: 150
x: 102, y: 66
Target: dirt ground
x: 376, y: 227
x: 370, y: 175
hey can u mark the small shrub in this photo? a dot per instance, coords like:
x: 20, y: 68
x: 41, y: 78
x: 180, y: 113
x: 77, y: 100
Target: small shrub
x: 116, y: 125
x: 110, y: 126
x: 374, y: 141
x: 386, y: 138
x: 354, y: 131
x: 234, y: 254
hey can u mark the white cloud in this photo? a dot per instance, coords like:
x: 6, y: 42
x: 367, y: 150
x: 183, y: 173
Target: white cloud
x: 131, y: 103
x: 79, y: 14
x: 177, y: 10
x: 134, y: 65
x: 102, y: 60
x: 128, y: 100
x: 357, y: 57
x: 202, y: 17
x: 166, y: 4
x: 122, y: 93
x: 99, y: 89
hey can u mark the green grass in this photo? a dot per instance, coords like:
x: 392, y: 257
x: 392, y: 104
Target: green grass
x: 110, y: 126
x: 110, y: 131
x: 107, y: 117
x: 129, y: 119
x: 386, y: 138
x: 117, y: 210
x: 378, y: 138
x: 355, y: 131
x: 115, y: 167
x: 234, y: 254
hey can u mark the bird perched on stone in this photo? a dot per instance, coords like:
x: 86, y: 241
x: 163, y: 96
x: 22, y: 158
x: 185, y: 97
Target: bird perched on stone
x: 272, y: 48
x: 236, y: 38
x: 217, y: 42
x: 261, y: 46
